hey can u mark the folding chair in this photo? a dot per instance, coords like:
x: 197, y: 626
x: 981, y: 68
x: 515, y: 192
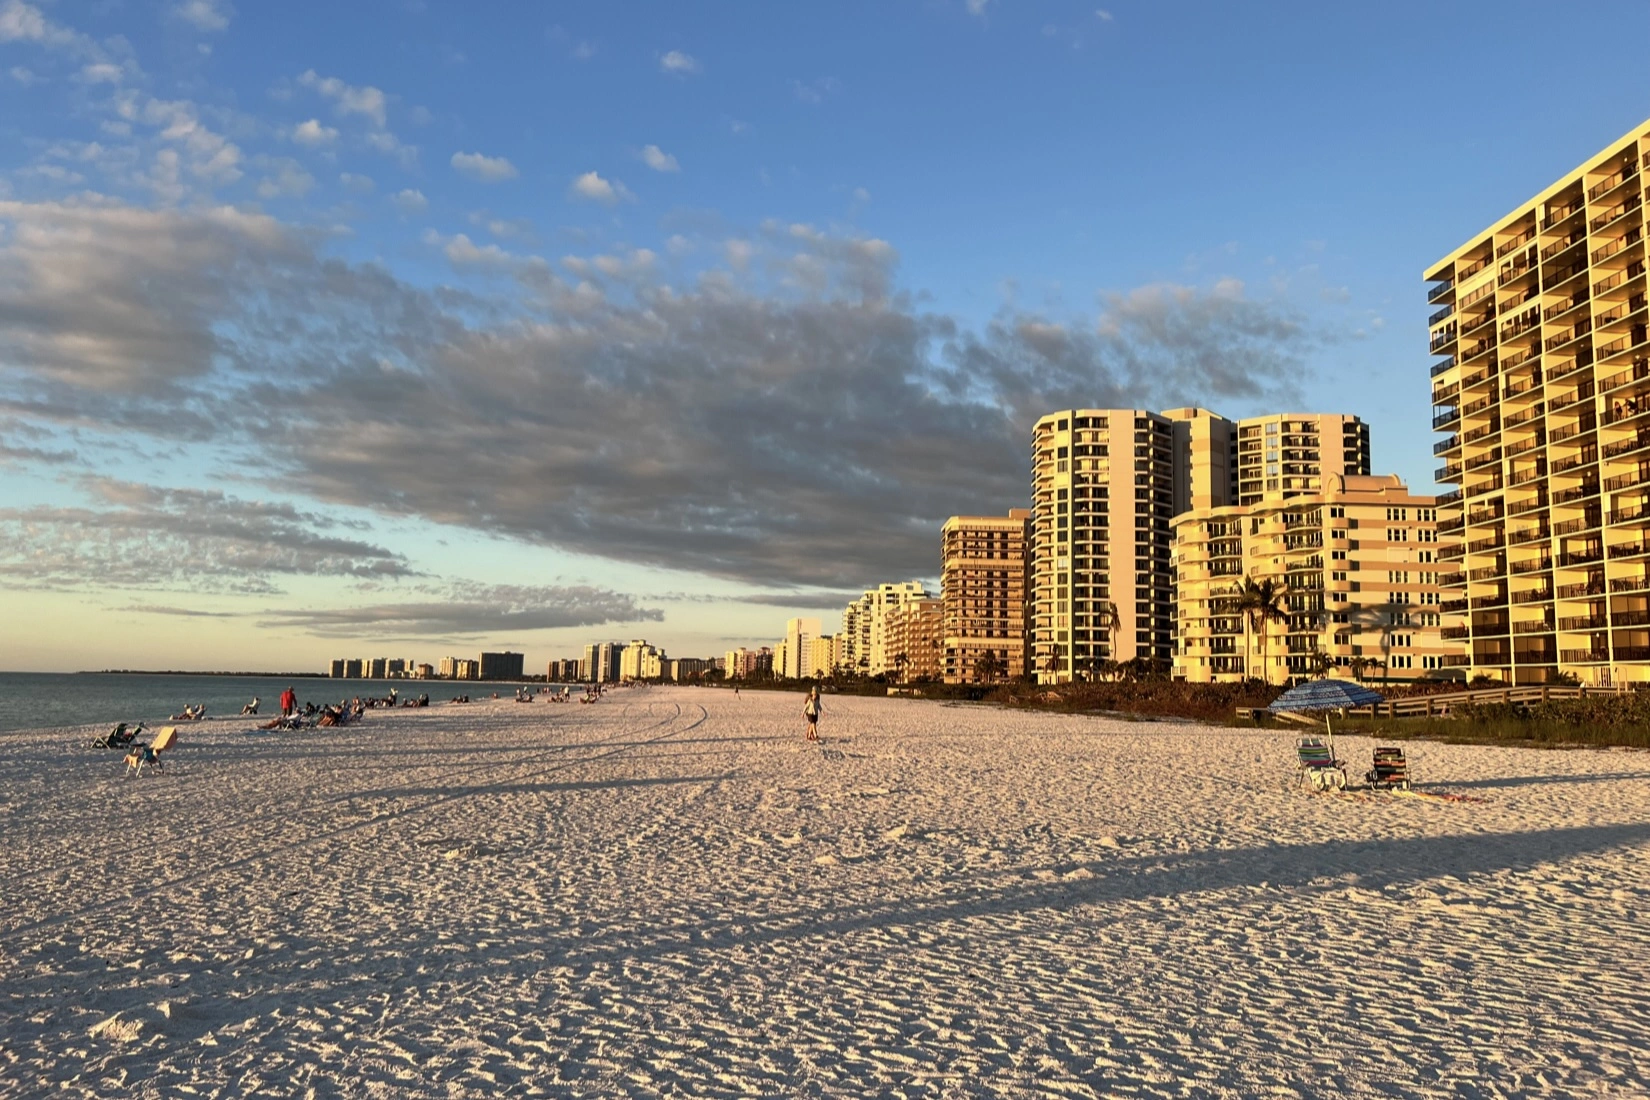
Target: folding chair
x: 148, y: 756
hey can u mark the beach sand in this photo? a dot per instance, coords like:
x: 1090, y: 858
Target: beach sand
x: 670, y: 892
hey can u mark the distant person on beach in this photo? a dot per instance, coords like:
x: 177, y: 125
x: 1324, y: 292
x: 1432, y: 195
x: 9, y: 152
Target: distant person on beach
x: 252, y: 707
x: 289, y: 701
x: 810, y: 710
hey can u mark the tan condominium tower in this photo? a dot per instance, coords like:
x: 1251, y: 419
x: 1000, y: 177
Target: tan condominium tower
x: 1293, y: 453
x: 1543, y: 396
x: 1357, y: 564
x: 1103, y: 492
x: 983, y: 575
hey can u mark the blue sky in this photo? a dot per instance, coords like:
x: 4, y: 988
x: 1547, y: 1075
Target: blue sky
x: 418, y: 328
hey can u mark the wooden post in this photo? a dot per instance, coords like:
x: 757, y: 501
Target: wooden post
x: 1506, y: 695
x: 1429, y: 708
x: 1545, y: 692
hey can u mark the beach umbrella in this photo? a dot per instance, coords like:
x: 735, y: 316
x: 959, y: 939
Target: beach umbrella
x: 1324, y: 695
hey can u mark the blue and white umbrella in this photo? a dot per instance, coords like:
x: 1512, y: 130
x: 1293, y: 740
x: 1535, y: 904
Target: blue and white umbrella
x: 1325, y: 695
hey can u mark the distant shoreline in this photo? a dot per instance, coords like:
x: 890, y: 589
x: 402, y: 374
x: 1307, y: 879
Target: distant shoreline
x: 187, y: 672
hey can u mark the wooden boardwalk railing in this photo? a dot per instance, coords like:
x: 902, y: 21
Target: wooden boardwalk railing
x: 1433, y: 706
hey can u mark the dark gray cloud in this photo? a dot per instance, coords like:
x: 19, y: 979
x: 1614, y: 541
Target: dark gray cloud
x: 471, y: 609
x: 789, y: 418
x: 140, y: 536
x: 178, y: 612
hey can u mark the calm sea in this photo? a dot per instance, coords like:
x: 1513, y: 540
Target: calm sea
x: 32, y: 700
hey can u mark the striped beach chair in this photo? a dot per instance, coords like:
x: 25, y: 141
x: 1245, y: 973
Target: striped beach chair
x: 1316, y: 764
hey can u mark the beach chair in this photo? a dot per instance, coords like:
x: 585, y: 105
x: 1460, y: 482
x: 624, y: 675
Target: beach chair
x: 148, y: 756
x: 117, y: 738
x: 1316, y: 764
x: 1391, y: 769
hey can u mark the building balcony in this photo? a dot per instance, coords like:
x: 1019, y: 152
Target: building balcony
x: 1615, y: 213
x: 1630, y: 584
x: 1441, y: 290
x: 1533, y: 595
x: 1573, y: 623
x: 1532, y: 565
x: 1523, y: 507
x: 1518, y: 537
x: 1532, y: 626
x: 1440, y: 368
x: 1572, y: 559
x: 1629, y: 549
x: 1583, y: 657
x: 1611, y: 182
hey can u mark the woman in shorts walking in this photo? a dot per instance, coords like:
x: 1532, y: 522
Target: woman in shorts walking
x: 810, y: 711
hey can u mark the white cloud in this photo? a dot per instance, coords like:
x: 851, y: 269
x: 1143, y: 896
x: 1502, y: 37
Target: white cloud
x: 410, y: 201
x: 20, y: 22
x: 101, y: 72
x: 861, y: 195
x: 361, y: 185
x: 483, y: 168
x: 206, y: 15
x: 677, y: 63
x: 659, y: 160
x: 366, y: 101
x: 289, y: 181
x: 976, y: 7
x: 584, y: 51
x: 22, y: 76
x: 593, y: 187
x: 312, y: 133
x: 1102, y: 14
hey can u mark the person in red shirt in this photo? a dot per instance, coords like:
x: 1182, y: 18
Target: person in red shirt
x: 289, y: 702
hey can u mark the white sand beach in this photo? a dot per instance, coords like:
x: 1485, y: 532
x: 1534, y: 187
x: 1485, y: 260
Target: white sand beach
x: 670, y: 892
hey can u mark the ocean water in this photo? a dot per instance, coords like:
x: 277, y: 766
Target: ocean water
x: 33, y: 700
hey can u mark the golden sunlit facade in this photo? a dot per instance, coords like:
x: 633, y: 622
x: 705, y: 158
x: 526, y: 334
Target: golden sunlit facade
x: 984, y: 571
x: 1359, y: 566
x: 1543, y: 396
x: 1103, y: 495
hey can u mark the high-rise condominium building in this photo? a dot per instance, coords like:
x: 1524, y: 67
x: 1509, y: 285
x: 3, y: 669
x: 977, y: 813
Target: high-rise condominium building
x: 1544, y: 398
x: 862, y: 640
x: 1293, y: 453
x: 1358, y: 563
x: 799, y: 637
x: 983, y: 575
x: 641, y: 661
x: 500, y: 666
x: 1103, y: 491
x: 913, y: 639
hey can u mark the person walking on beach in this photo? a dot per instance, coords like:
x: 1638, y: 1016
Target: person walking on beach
x: 289, y: 702
x: 810, y: 710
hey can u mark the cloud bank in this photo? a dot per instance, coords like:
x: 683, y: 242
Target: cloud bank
x: 792, y: 418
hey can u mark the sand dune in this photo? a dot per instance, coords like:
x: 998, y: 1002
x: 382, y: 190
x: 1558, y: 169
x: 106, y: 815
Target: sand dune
x: 671, y: 892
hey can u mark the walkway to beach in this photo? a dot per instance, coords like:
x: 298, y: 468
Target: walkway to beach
x: 671, y: 892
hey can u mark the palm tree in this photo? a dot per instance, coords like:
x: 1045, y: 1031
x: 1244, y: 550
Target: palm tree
x: 900, y: 661
x: 1051, y: 663
x: 988, y: 667
x: 1261, y: 604
x: 1321, y: 663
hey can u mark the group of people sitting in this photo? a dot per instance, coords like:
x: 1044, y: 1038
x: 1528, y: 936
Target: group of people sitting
x: 191, y: 713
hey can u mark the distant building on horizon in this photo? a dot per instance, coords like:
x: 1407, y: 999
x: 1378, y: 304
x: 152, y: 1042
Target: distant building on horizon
x: 499, y: 666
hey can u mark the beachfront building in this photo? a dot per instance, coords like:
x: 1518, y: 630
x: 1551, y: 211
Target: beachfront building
x: 641, y: 661
x: 1543, y: 399
x: 797, y: 648
x: 682, y: 669
x: 500, y: 666
x: 424, y: 672
x: 984, y: 569
x: 1358, y: 566
x: 337, y: 670
x: 1103, y: 491
x: 914, y: 639
x: 748, y: 664
x: 1292, y: 454
x: 863, y: 639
